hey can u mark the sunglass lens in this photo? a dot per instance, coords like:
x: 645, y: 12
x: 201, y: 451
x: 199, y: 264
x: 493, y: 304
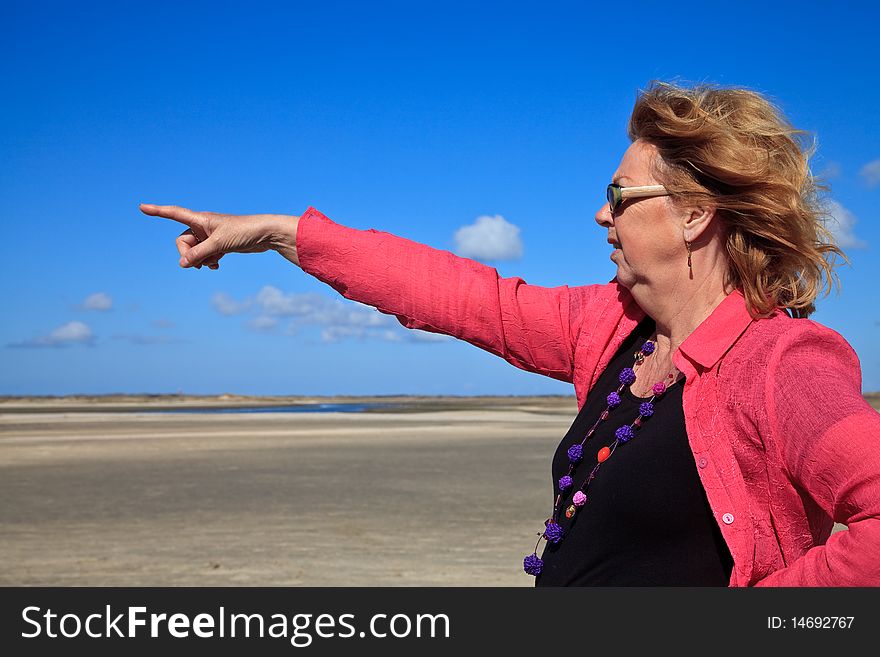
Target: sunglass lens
x: 613, y: 196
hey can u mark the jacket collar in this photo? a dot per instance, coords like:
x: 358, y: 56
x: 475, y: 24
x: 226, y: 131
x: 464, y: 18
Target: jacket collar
x: 719, y: 331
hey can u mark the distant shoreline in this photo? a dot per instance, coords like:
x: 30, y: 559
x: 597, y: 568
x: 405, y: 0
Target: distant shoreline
x: 402, y: 403
x: 285, y: 398
x: 128, y: 403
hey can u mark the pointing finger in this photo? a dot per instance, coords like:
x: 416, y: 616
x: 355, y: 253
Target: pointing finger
x: 177, y: 213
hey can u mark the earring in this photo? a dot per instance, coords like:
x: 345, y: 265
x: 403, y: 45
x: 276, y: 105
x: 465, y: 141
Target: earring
x: 688, y: 245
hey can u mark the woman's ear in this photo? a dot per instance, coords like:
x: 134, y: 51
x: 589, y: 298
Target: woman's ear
x: 698, y: 222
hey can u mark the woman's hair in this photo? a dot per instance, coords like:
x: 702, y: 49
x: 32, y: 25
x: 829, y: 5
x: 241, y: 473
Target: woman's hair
x: 733, y: 149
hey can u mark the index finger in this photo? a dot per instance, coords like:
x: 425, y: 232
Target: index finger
x: 183, y: 215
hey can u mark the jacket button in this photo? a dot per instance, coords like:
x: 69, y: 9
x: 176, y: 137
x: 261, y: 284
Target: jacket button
x: 727, y: 518
x: 703, y: 461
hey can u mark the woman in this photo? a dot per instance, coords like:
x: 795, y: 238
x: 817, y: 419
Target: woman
x: 721, y: 433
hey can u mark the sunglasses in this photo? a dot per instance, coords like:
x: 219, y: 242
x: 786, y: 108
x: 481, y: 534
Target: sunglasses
x: 617, y: 194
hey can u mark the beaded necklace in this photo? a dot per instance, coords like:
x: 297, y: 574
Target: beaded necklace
x: 553, y: 532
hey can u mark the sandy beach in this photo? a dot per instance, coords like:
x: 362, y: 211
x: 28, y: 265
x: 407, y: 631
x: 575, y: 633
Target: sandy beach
x: 128, y: 498
x: 443, y: 491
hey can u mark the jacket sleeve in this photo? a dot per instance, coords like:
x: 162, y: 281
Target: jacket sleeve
x: 530, y: 327
x: 828, y: 438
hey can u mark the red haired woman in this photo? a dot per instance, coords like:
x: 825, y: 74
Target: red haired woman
x: 721, y: 433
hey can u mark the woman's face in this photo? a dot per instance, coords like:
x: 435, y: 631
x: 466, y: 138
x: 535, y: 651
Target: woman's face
x: 647, y: 231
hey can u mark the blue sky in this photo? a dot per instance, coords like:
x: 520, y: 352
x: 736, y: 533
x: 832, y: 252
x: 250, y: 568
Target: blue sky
x: 436, y: 121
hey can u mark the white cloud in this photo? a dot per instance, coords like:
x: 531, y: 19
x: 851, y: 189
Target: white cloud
x: 831, y: 170
x: 65, y: 335
x: 841, y: 223
x: 226, y: 305
x: 273, y: 301
x: 347, y: 319
x: 871, y: 173
x: 262, y: 323
x: 97, y: 301
x: 146, y: 340
x: 338, y: 318
x: 71, y: 332
x: 336, y: 333
x: 489, y: 238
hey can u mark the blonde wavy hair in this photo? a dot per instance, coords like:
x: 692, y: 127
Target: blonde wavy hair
x: 732, y: 148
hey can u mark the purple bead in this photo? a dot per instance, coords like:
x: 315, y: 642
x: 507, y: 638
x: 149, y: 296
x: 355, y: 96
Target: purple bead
x: 564, y: 483
x: 553, y: 532
x: 648, y: 348
x: 613, y: 400
x: 646, y: 409
x: 625, y: 433
x: 533, y: 564
x: 575, y: 453
x: 659, y: 388
x: 626, y: 376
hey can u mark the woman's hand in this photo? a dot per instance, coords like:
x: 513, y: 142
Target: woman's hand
x: 210, y: 235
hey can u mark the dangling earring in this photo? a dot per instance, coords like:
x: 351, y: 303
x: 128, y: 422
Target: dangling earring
x: 688, y: 245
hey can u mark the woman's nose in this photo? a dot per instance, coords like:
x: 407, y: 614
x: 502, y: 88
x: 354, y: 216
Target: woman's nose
x: 603, y: 216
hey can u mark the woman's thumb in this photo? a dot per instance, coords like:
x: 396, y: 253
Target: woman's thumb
x: 197, y: 255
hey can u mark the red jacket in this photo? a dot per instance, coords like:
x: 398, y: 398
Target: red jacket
x: 783, y: 441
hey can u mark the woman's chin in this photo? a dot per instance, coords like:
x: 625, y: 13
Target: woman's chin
x: 624, y: 277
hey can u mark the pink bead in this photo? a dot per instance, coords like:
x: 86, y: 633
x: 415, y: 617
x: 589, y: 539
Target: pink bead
x: 604, y: 415
x: 579, y: 499
x: 659, y: 388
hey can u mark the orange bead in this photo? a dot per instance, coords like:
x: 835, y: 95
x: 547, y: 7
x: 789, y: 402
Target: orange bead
x: 603, y: 455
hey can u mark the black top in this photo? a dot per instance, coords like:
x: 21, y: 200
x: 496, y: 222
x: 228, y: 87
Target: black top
x: 646, y: 521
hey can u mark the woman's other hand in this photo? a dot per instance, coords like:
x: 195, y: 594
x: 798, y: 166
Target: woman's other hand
x: 211, y: 235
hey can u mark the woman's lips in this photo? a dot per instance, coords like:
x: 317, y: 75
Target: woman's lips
x: 615, y: 247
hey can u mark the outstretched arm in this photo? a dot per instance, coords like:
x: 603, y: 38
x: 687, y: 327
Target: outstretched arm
x: 425, y: 288
x: 534, y: 328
